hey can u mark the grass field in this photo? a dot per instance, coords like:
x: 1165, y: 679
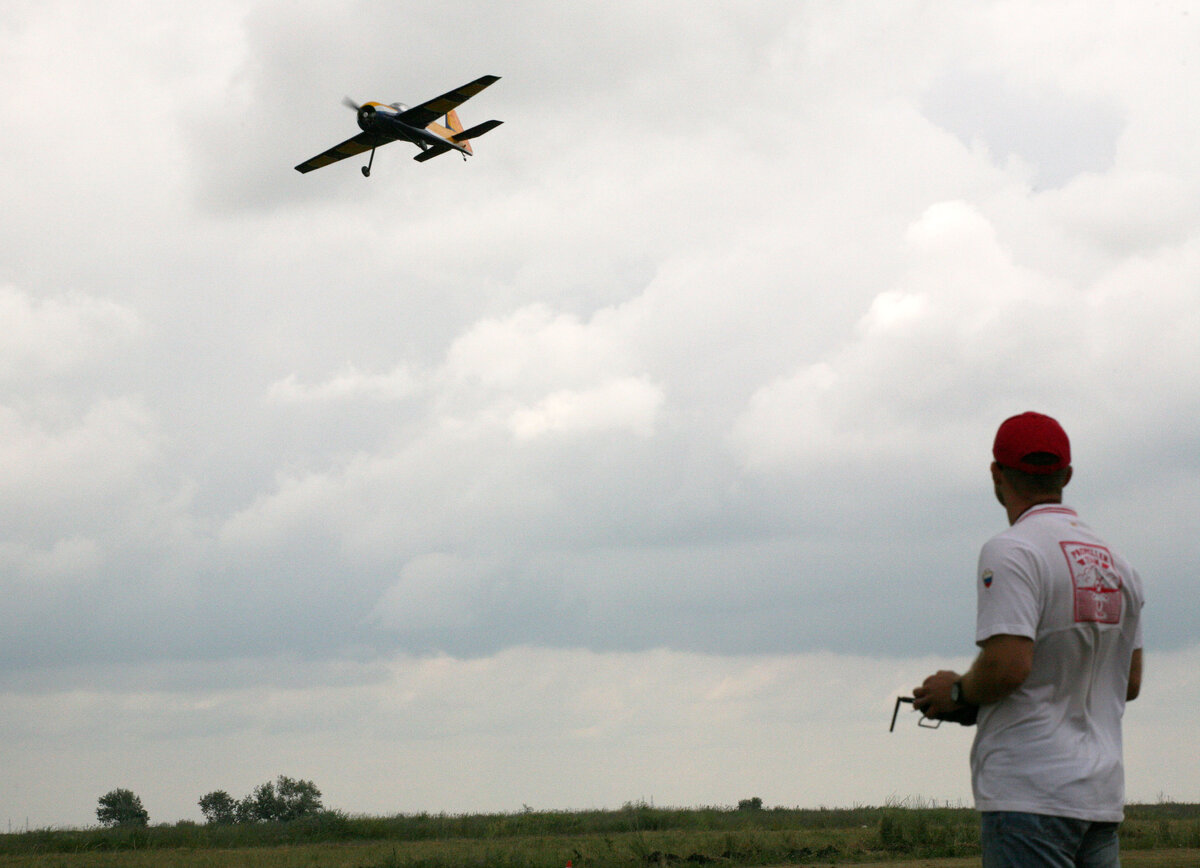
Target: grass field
x: 1137, y: 859
x: 1153, y: 836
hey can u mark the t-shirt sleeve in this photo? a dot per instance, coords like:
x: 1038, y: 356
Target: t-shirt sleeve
x: 1137, y: 630
x: 1008, y: 597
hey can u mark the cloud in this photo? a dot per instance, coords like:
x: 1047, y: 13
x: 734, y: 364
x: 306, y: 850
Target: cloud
x: 57, y: 335
x: 629, y: 403
x: 436, y: 592
x: 963, y: 320
x: 534, y: 348
x: 398, y: 384
x: 65, y: 460
x: 554, y: 728
x: 1126, y: 214
x: 1029, y: 123
x: 64, y: 560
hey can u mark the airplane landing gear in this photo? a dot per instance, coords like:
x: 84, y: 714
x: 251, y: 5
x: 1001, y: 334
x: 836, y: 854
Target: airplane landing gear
x: 366, y: 170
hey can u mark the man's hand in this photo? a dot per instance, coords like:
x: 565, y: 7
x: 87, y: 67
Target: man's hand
x: 933, y: 697
x: 1002, y: 665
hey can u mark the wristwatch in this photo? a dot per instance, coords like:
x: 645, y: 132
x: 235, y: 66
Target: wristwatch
x: 956, y: 693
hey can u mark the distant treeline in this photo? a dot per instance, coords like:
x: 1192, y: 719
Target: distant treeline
x: 638, y: 833
x: 279, y: 801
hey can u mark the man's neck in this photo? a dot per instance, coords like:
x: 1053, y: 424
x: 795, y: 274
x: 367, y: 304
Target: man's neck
x: 1019, y: 507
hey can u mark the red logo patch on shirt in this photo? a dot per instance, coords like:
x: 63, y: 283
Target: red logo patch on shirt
x: 1097, y: 583
x: 987, y: 577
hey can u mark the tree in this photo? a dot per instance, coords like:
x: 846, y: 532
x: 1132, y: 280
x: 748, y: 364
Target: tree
x: 219, y: 808
x: 244, y: 812
x: 263, y: 804
x: 275, y: 801
x: 121, y: 808
x: 295, y: 799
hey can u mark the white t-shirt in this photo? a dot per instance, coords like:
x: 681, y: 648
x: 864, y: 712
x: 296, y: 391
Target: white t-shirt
x: 1053, y: 746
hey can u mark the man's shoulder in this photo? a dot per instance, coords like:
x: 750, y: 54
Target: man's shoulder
x: 1032, y: 536
x: 1018, y: 536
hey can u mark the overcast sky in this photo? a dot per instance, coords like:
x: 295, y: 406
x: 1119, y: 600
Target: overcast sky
x: 641, y: 456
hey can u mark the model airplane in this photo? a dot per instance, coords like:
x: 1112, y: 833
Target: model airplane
x: 397, y: 122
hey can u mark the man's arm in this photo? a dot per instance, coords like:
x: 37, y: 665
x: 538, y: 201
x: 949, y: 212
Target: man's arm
x: 1135, y: 676
x: 1002, y: 665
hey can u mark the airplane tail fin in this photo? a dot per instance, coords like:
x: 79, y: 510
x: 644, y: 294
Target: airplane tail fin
x: 456, y: 137
x: 455, y: 126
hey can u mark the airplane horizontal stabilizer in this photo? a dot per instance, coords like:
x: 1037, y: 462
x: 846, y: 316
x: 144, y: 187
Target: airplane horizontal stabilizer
x: 432, y: 152
x: 475, y: 131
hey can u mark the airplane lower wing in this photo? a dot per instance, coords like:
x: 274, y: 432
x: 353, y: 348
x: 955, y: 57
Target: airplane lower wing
x: 357, y: 145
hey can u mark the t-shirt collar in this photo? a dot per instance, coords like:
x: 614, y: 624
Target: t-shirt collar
x: 1046, y: 509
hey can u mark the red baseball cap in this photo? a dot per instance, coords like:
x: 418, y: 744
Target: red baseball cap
x: 1021, y: 437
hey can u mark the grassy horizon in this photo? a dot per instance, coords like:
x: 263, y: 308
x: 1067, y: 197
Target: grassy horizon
x: 636, y: 834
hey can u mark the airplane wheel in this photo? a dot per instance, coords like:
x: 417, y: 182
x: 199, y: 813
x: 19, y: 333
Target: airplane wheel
x: 366, y: 172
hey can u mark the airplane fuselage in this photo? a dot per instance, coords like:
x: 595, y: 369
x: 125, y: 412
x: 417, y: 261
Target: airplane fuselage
x: 383, y: 119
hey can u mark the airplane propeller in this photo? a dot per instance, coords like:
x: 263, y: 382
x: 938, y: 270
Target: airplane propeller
x: 366, y: 111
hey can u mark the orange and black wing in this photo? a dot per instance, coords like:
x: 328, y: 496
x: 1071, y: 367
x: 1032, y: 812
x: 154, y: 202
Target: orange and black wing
x: 428, y: 112
x: 350, y: 147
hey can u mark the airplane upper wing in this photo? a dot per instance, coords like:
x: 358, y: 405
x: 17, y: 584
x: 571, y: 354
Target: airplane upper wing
x: 427, y: 112
x: 350, y: 147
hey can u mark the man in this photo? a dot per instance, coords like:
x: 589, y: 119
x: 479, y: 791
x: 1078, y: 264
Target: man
x: 1059, y: 629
